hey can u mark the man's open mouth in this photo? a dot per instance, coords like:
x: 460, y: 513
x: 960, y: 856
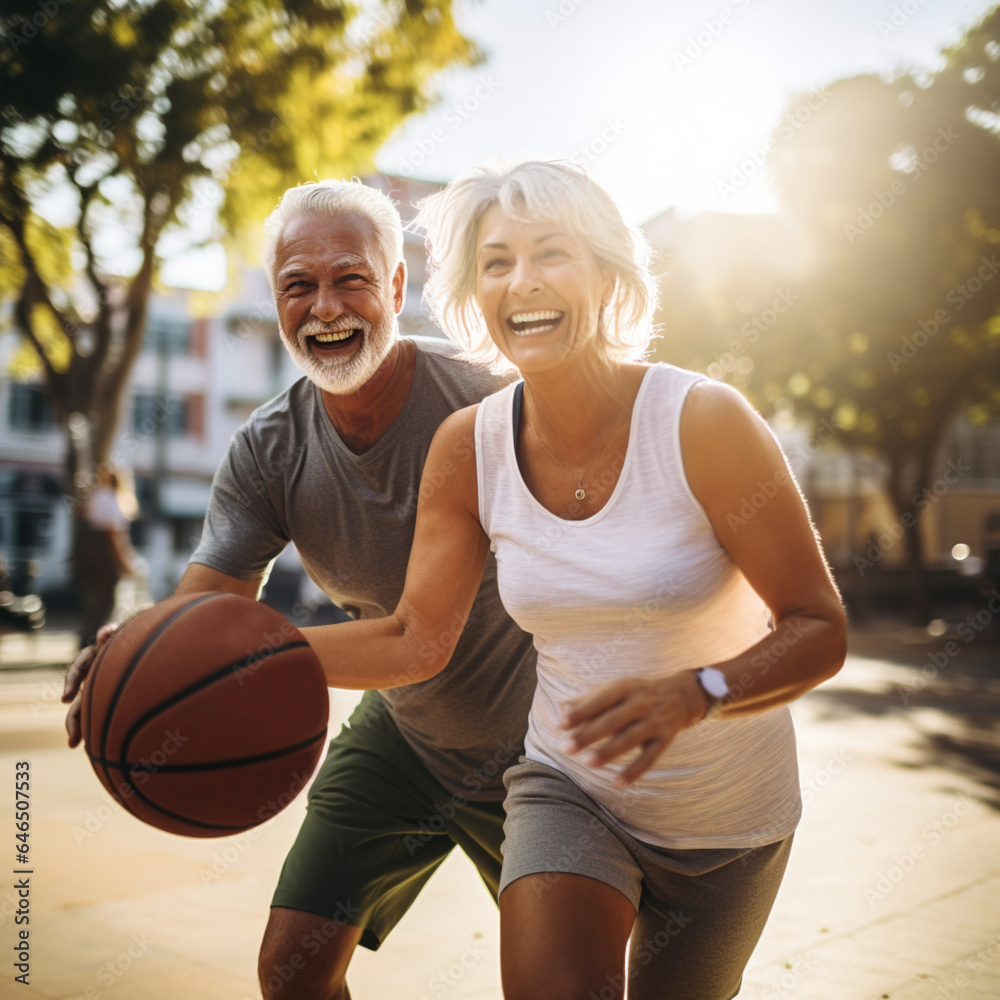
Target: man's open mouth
x: 527, y: 324
x: 339, y: 340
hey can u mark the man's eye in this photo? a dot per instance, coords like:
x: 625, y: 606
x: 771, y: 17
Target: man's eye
x: 354, y: 277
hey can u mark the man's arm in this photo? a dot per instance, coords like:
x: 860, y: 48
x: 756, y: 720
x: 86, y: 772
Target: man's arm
x: 199, y: 578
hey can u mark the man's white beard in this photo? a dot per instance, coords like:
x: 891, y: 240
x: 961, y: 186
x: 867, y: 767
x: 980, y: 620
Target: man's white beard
x: 341, y: 376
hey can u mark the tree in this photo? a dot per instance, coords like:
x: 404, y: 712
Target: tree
x: 138, y: 116
x: 133, y: 107
x: 891, y: 189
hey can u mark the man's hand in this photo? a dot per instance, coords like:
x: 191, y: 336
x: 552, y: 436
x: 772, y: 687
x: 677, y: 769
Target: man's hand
x: 631, y: 713
x: 75, y: 676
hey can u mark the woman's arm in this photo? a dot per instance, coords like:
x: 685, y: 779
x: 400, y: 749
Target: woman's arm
x: 445, y: 569
x: 729, y: 454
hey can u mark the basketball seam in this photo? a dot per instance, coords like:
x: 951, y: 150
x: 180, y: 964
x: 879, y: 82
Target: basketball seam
x: 130, y: 669
x: 178, y: 816
x: 124, y: 765
x: 205, y: 682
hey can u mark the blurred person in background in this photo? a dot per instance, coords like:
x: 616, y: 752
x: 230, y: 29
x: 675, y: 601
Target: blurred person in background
x: 105, y: 554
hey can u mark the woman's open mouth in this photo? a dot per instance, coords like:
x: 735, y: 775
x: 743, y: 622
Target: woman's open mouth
x: 530, y: 324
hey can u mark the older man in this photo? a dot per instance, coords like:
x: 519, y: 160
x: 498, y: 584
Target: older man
x: 333, y: 464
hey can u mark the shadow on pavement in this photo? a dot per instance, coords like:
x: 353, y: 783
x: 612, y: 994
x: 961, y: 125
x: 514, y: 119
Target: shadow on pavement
x: 946, y: 688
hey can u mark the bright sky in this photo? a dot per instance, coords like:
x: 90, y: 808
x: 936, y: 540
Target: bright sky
x: 660, y: 101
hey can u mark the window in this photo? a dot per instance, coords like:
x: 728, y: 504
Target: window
x: 168, y: 334
x: 30, y: 409
x: 151, y: 412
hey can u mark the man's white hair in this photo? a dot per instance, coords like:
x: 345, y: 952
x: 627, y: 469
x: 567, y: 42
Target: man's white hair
x: 531, y: 192
x: 334, y: 199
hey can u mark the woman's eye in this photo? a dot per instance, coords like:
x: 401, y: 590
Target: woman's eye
x: 493, y: 264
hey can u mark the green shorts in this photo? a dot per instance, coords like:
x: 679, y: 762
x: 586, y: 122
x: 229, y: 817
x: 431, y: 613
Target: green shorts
x: 378, y: 825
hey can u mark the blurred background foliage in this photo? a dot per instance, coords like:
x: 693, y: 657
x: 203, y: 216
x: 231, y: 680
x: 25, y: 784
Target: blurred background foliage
x: 145, y: 121
x: 872, y: 301
x: 869, y: 305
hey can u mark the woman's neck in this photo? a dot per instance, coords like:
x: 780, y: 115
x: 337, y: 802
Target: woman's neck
x: 571, y: 404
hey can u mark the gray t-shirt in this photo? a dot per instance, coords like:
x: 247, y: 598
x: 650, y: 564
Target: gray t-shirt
x: 287, y: 476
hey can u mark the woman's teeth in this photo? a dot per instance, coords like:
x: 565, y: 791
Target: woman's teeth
x: 541, y: 321
x: 329, y: 338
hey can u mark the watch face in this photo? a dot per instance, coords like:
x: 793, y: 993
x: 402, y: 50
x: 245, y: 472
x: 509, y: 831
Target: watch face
x: 714, y: 682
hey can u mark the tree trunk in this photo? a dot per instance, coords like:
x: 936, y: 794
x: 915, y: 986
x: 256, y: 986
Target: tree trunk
x: 905, y: 472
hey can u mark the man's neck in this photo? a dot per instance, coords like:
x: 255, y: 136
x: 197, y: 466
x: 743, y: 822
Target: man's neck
x: 362, y: 417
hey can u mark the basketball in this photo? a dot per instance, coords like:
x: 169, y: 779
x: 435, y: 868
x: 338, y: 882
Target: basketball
x: 205, y: 714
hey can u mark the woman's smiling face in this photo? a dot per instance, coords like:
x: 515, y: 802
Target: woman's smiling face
x: 540, y: 289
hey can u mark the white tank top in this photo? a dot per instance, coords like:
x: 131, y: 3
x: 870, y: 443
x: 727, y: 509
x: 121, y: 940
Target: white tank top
x: 643, y: 588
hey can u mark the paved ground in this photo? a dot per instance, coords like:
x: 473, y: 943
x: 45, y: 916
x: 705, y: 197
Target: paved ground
x: 893, y: 890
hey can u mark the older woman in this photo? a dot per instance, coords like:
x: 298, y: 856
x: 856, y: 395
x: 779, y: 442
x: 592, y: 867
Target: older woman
x: 659, y: 792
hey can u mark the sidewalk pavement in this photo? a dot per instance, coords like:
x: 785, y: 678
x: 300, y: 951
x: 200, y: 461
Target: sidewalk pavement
x: 892, y: 891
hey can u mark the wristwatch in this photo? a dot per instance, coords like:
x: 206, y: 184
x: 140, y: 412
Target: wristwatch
x: 715, y: 689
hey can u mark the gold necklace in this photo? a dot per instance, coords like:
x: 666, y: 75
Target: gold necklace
x: 580, y: 493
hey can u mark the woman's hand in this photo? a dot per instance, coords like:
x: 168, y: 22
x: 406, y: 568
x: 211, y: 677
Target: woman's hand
x: 634, y: 712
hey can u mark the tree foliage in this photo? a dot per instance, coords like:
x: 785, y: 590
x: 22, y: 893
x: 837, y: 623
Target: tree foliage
x: 121, y: 122
x: 889, y: 244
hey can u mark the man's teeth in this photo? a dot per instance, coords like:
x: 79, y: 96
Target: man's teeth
x: 329, y: 338
x: 541, y: 321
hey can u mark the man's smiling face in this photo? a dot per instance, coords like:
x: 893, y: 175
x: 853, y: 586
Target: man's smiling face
x: 336, y: 299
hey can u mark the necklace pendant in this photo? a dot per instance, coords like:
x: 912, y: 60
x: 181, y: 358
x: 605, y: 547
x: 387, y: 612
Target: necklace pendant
x: 580, y: 494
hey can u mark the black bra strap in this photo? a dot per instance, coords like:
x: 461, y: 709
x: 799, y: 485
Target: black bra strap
x: 518, y: 405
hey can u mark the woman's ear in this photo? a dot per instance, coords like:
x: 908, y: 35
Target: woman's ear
x: 609, y: 290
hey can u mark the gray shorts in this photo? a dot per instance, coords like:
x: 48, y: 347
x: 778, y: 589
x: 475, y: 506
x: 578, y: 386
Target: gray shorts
x: 699, y: 913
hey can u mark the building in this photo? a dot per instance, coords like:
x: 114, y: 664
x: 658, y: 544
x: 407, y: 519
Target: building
x: 196, y: 381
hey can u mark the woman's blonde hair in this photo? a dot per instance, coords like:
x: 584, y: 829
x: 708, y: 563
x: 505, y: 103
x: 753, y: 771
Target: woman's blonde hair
x: 531, y: 192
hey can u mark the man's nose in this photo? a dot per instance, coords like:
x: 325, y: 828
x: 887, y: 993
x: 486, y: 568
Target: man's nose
x: 327, y: 305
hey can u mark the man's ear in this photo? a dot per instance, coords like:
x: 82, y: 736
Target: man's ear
x: 399, y: 287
